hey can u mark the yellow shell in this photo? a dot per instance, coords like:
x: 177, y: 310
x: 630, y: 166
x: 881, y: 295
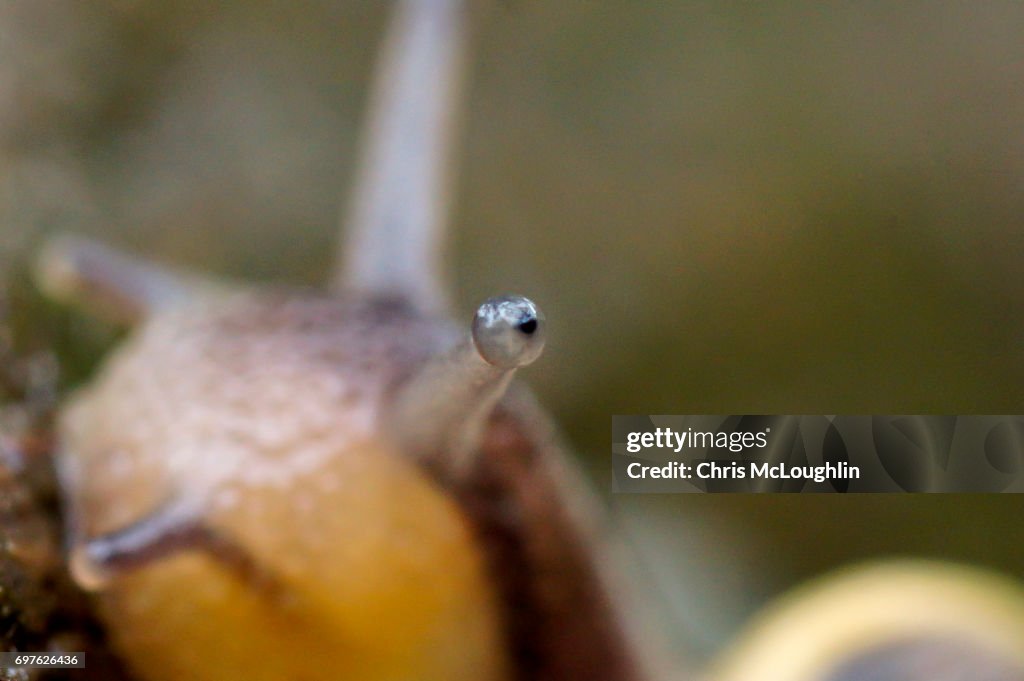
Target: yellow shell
x: 849, y: 614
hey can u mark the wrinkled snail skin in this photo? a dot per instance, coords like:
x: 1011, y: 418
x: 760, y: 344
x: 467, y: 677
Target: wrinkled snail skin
x: 889, y: 621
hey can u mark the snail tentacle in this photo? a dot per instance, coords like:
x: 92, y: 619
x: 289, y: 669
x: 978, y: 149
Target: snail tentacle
x: 172, y: 528
x: 111, y: 283
x: 396, y: 219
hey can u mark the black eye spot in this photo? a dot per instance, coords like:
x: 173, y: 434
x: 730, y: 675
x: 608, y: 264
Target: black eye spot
x: 508, y: 331
x: 529, y: 326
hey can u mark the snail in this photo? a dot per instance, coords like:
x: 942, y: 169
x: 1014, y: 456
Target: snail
x: 270, y: 482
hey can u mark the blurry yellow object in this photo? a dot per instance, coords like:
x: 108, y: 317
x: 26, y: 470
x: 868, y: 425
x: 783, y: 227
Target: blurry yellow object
x: 817, y: 627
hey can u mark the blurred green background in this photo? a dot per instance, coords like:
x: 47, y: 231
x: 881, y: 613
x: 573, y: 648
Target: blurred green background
x: 723, y: 207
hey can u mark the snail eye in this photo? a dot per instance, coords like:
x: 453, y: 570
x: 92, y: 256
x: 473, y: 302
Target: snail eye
x: 508, y: 331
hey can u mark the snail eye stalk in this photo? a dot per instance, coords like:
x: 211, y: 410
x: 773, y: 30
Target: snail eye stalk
x: 440, y: 411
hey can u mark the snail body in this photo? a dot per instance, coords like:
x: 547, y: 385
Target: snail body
x: 309, y: 471
x: 366, y: 569
x: 315, y: 470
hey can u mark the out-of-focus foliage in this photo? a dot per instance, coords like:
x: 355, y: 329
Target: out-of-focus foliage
x: 723, y: 207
